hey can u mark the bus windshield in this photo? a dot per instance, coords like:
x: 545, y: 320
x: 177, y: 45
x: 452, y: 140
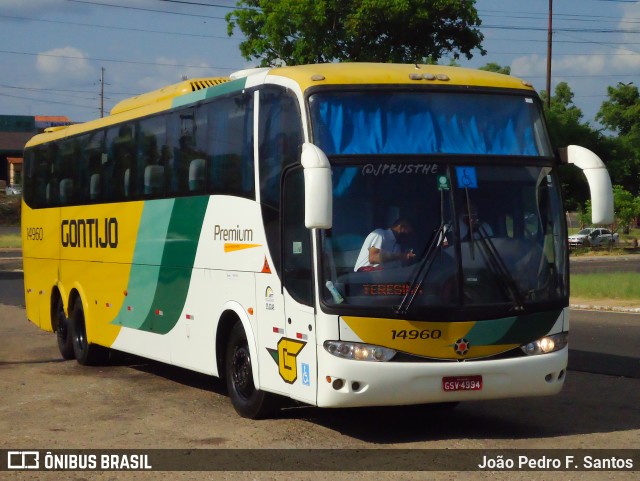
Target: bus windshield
x: 425, y: 122
x: 451, y: 236
x: 428, y: 217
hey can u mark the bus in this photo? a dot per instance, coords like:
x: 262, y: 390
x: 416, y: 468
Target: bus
x: 216, y: 224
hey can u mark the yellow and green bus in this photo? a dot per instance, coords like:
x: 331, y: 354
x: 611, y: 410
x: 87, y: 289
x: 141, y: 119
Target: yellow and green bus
x: 341, y: 234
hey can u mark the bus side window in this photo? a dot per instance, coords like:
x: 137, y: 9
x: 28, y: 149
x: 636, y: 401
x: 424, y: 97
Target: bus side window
x: 280, y: 139
x: 230, y: 128
x: 52, y: 190
x: 69, y: 173
x: 296, y: 239
x: 120, y: 158
x: 94, y: 155
x: 151, y: 140
x: 41, y: 171
x: 183, y: 145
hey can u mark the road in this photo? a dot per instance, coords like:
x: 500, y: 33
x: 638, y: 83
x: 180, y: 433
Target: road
x: 48, y: 403
x: 589, y: 265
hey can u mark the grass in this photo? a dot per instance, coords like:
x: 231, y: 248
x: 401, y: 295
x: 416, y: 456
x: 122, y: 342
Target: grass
x: 9, y: 216
x: 10, y: 240
x: 619, y: 286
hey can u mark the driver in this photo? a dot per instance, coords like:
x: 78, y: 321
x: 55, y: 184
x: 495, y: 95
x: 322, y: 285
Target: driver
x: 386, y: 248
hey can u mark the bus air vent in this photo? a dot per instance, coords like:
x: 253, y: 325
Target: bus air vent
x: 205, y: 83
x: 167, y: 93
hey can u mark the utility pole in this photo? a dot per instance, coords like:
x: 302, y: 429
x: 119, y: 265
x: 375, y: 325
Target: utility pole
x: 549, y: 41
x: 102, y: 92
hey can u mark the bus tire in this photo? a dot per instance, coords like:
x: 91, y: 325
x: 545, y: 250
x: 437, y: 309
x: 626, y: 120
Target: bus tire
x: 63, y: 334
x: 86, y: 354
x: 248, y: 401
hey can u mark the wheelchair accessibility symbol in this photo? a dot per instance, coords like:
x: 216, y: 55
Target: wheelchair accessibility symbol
x: 306, y: 378
x: 467, y: 177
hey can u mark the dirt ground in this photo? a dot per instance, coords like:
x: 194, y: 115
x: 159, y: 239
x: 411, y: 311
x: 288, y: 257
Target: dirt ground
x: 48, y: 403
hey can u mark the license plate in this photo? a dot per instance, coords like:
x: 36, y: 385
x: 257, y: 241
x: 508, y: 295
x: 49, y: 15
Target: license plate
x: 462, y: 383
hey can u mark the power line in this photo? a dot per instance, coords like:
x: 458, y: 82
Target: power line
x: 146, y: 9
x: 134, y: 62
x: 200, y: 4
x: 48, y: 101
x: 565, y: 16
x: 560, y: 29
x: 50, y: 89
x: 93, y: 25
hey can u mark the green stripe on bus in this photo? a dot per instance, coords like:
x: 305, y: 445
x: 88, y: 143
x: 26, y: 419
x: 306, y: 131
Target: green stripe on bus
x: 513, y: 330
x: 179, y: 254
x: 147, y: 258
x: 211, y: 92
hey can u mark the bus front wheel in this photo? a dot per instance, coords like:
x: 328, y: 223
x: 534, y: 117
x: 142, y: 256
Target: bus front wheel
x: 248, y: 401
x: 65, y: 341
x: 86, y: 354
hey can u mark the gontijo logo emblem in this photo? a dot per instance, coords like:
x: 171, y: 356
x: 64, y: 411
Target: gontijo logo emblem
x: 239, y: 238
x: 285, y: 356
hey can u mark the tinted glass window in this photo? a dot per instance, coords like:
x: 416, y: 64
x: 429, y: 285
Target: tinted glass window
x: 280, y: 139
x: 200, y: 150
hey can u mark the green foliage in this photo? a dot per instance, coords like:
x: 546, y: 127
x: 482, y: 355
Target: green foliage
x: 584, y: 215
x: 297, y: 32
x: 621, y: 114
x: 626, y: 207
x: 494, y: 67
x: 10, y: 209
x: 564, y: 120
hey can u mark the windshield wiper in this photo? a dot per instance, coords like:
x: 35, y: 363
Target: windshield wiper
x: 496, y: 263
x: 423, y: 269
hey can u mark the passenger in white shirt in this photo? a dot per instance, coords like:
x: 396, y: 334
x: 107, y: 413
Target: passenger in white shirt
x: 385, y: 248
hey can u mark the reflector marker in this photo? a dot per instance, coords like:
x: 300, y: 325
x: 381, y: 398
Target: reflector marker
x: 278, y: 330
x: 159, y: 312
x: 129, y: 308
x: 190, y: 316
x: 108, y: 304
x: 299, y: 335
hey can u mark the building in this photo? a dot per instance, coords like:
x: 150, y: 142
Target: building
x: 15, y: 131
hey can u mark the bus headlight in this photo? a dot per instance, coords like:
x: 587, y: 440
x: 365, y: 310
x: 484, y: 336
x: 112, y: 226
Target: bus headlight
x: 546, y: 344
x: 359, y: 351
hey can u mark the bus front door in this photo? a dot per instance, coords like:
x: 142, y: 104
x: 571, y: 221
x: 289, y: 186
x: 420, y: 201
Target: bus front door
x: 297, y: 363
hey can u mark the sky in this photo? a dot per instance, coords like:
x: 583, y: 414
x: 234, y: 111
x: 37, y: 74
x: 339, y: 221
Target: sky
x: 53, y: 52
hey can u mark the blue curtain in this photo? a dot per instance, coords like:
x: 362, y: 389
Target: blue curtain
x: 424, y: 123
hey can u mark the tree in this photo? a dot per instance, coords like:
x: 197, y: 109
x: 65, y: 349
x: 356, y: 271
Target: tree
x: 564, y: 120
x: 316, y: 31
x: 626, y: 207
x: 621, y: 113
x: 494, y: 67
x: 584, y: 215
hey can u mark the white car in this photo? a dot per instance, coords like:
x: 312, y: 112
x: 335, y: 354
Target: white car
x: 593, y: 236
x: 14, y: 189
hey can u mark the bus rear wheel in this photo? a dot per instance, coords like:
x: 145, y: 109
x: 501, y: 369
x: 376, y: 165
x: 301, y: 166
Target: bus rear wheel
x: 63, y: 334
x: 86, y: 354
x: 248, y: 401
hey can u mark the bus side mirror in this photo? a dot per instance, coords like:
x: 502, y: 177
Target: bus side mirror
x: 318, y: 189
x: 598, y: 179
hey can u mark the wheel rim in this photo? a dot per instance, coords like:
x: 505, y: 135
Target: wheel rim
x: 241, y: 374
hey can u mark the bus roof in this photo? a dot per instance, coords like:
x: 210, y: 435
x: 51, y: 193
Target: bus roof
x: 386, y: 73
x: 306, y: 76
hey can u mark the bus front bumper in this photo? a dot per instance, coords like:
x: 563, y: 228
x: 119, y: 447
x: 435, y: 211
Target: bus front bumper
x: 348, y: 383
